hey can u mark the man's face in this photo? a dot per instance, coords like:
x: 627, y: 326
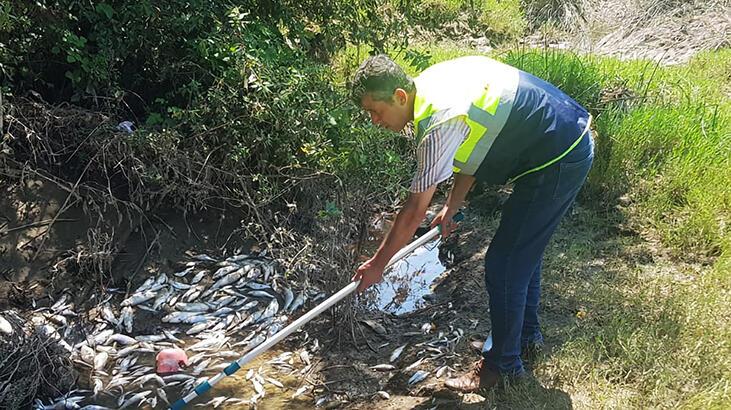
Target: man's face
x: 392, y: 115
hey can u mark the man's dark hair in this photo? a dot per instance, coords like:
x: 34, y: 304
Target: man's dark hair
x: 379, y: 76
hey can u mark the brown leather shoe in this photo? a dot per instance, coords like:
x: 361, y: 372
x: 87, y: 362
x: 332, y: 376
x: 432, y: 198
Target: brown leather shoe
x: 480, y: 378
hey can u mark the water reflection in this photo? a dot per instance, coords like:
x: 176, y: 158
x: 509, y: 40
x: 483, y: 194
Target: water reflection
x: 408, y: 281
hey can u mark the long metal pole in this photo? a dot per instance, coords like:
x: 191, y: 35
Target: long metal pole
x: 342, y: 293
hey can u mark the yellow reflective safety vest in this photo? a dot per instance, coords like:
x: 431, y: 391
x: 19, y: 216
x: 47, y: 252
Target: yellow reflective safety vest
x: 518, y: 123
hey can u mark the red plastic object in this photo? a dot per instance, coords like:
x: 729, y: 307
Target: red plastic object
x: 170, y: 361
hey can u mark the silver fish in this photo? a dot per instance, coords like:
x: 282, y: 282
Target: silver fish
x: 302, y: 390
x: 418, y: 377
x: 414, y: 365
x: 260, y: 294
x: 162, y: 297
x: 382, y: 394
x: 204, y: 258
x: 198, y: 277
x: 138, y: 298
x: 193, y: 307
x: 396, y: 353
x: 121, y: 339
x: 288, y: 298
x: 197, y: 328
x: 100, y: 360
x: 127, y: 318
x: 161, y: 394
x: 108, y: 315
x: 150, y: 338
x: 298, y: 302
x: 184, y: 272
x: 193, y: 293
x: 271, y: 310
x: 383, y: 367
x: 258, y: 387
x: 137, y: 398
x: 225, y: 271
x: 184, y: 317
x: 228, y: 279
x: 257, y: 286
x: 179, y: 285
x: 275, y: 382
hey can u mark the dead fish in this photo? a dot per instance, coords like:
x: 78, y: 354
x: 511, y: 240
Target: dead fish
x: 180, y: 377
x: 108, y: 315
x: 226, y: 300
x: 260, y: 294
x: 200, y: 367
x: 222, y: 312
x: 87, y: 354
x: 275, y: 382
x: 161, y: 394
x: 162, y: 297
x: 193, y: 293
x: 204, y: 258
x: 146, y: 285
x: 192, y: 307
x: 305, y: 357
x: 121, y: 339
x: 198, y: 277
x: 375, y: 326
x: 414, y: 365
x: 184, y: 317
x: 297, y: 302
x: 257, y: 286
x: 150, y: 338
x: 427, y: 328
x: 271, y: 310
x: 137, y: 398
x: 228, y: 279
x: 288, y: 298
x: 225, y: 271
x: 179, y: 285
x: 138, y: 298
x: 258, y: 387
x: 184, y: 272
x: 146, y: 378
x: 98, y: 385
x: 383, y: 367
x: 100, y: 360
x: 382, y: 394
x: 440, y: 371
x: 418, y: 377
x: 302, y: 390
x: 396, y: 353
x: 197, y: 328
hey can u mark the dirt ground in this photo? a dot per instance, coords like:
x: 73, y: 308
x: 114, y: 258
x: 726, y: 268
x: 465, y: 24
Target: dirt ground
x: 590, y: 245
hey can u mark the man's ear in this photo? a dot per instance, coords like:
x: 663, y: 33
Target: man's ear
x: 400, y: 96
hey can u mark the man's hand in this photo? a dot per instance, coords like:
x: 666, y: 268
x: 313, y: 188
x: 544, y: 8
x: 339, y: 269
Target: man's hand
x: 368, y: 273
x: 445, y: 219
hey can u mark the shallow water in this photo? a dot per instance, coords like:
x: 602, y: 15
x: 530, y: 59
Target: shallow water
x: 408, y: 281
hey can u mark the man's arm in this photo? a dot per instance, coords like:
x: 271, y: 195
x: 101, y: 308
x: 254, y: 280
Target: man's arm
x: 460, y: 187
x: 407, y: 220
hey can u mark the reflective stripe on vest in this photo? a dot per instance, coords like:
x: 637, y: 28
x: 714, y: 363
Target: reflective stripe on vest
x: 480, y: 90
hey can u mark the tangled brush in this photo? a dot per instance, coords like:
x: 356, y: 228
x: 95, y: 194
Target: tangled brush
x: 32, y: 363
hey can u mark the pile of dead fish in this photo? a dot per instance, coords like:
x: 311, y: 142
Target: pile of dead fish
x: 215, y: 310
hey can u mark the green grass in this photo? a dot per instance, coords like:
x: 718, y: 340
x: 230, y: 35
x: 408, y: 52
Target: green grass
x: 654, y: 329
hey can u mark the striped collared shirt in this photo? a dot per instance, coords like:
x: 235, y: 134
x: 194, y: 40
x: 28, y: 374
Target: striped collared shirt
x: 435, y: 153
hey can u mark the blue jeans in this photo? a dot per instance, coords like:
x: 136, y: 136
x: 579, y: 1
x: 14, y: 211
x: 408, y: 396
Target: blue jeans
x: 513, y: 260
